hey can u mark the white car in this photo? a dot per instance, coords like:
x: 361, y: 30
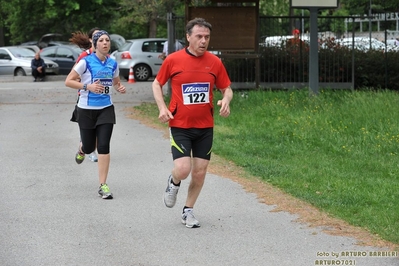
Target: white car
x: 279, y: 41
x: 363, y: 44
x: 142, y: 55
x: 16, y: 61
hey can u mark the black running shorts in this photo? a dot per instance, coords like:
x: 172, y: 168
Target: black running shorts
x: 192, y: 141
x: 89, y: 119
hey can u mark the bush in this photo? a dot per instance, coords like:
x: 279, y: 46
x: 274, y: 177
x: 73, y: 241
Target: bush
x: 284, y: 64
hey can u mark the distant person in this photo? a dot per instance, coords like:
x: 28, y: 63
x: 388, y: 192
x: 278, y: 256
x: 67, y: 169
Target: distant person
x: 178, y: 46
x: 295, y: 43
x: 193, y: 74
x: 397, y: 41
x: 38, y: 68
x: 295, y: 40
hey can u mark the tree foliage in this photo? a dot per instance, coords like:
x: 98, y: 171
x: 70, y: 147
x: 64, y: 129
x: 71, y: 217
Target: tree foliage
x: 361, y: 7
x: 146, y: 14
x: 274, y: 8
x: 27, y: 20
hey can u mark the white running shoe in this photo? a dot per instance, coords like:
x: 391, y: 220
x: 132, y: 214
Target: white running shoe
x: 93, y: 157
x: 170, y: 194
x: 188, y: 219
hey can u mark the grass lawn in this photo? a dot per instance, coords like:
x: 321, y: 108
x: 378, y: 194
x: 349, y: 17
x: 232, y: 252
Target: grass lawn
x: 337, y: 151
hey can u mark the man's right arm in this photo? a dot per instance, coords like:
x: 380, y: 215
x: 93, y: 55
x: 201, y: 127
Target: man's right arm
x: 164, y: 114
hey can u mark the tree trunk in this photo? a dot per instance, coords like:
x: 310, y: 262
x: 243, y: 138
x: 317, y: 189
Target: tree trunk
x: 2, y: 37
x: 153, y: 26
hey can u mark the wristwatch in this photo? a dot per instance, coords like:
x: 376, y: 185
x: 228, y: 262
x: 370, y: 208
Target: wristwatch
x: 85, y: 87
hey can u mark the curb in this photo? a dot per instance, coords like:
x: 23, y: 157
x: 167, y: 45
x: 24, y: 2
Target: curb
x: 7, y: 78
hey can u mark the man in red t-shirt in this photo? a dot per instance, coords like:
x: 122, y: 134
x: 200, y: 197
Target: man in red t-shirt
x: 295, y: 42
x: 193, y: 73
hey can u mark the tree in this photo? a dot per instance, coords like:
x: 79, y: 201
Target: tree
x: 274, y: 8
x: 361, y: 7
x: 54, y: 16
x: 146, y: 12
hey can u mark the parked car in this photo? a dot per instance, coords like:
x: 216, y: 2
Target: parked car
x: 50, y: 39
x: 32, y: 47
x: 117, y: 41
x: 281, y: 41
x: 363, y: 44
x: 142, y: 55
x: 64, y: 55
x: 16, y: 61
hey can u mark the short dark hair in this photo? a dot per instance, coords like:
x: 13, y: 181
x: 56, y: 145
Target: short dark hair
x: 90, y: 33
x: 197, y: 21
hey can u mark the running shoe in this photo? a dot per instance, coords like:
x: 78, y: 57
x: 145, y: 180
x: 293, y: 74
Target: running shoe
x: 93, y: 157
x: 188, y: 219
x: 80, y: 156
x: 104, y: 192
x: 170, y: 194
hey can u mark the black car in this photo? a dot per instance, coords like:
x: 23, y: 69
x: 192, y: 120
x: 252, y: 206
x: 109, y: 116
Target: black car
x: 64, y: 55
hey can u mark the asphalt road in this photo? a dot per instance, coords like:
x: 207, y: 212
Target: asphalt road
x: 50, y: 213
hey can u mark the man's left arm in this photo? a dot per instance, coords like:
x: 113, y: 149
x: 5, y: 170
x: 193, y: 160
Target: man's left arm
x: 225, y: 101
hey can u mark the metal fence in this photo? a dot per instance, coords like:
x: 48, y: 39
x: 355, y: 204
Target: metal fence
x: 279, y: 64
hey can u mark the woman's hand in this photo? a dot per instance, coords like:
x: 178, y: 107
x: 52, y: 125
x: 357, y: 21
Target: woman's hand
x: 96, y: 87
x: 119, y: 87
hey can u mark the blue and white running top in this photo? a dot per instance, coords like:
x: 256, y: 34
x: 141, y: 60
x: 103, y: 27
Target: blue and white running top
x: 91, y: 69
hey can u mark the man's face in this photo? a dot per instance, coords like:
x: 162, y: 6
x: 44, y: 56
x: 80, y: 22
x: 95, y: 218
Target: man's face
x: 199, y: 40
x: 37, y: 56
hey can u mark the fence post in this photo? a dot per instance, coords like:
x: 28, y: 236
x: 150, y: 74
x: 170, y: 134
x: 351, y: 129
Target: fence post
x: 171, y: 19
x: 313, y: 54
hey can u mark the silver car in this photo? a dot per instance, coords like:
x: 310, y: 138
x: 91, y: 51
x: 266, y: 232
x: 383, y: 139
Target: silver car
x: 142, y: 55
x: 16, y: 61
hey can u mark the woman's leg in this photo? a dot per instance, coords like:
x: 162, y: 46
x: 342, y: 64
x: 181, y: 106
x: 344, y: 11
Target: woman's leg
x: 104, y: 133
x: 88, y: 139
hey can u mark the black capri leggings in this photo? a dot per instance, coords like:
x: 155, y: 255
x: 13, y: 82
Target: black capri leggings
x: 102, y: 134
x: 95, y: 125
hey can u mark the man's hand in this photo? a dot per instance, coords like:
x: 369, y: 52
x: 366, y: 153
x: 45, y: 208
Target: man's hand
x: 165, y: 115
x: 225, y: 108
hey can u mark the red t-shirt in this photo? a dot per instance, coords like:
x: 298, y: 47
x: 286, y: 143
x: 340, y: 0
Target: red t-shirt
x: 84, y: 54
x: 193, y: 80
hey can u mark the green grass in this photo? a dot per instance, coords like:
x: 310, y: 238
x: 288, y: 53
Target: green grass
x: 337, y: 151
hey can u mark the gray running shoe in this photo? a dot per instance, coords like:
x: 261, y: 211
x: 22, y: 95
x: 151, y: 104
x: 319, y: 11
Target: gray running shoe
x: 189, y: 220
x: 93, y: 157
x: 79, y: 156
x: 104, y: 192
x: 170, y: 194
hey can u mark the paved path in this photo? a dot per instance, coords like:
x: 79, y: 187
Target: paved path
x: 50, y: 213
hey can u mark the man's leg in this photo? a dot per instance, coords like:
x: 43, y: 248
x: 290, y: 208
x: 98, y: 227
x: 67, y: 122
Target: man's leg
x: 198, y: 174
x: 42, y: 74
x: 35, y: 74
x: 181, y: 169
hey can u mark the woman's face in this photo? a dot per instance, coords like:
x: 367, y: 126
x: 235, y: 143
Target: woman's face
x: 103, y: 44
x: 91, y: 40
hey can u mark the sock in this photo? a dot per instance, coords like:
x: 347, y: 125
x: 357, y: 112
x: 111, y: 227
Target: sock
x: 187, y: 208
x: 177, y: 185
